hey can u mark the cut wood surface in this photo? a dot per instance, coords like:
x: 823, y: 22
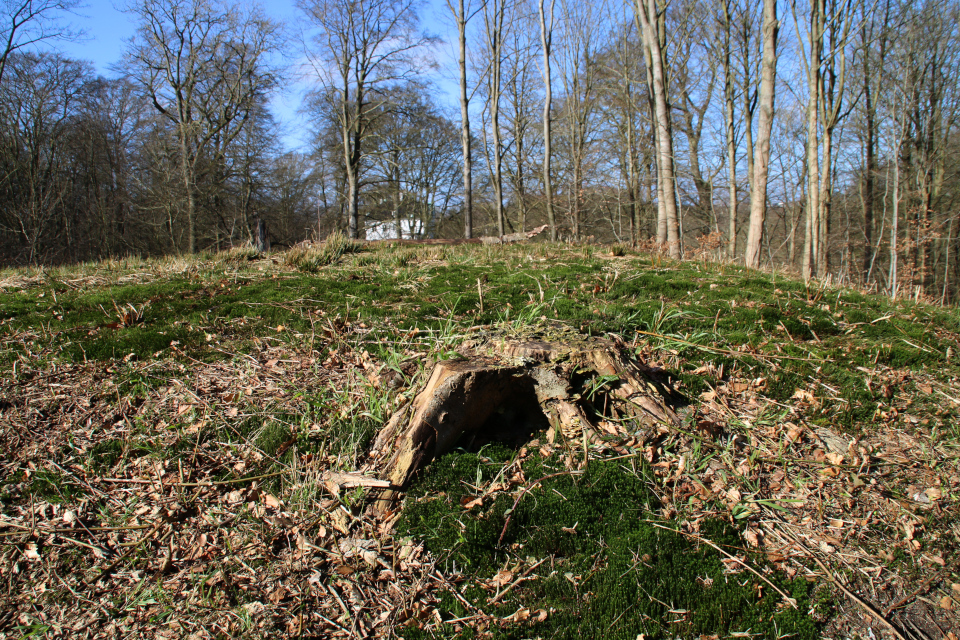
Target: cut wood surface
x: 508, y: 386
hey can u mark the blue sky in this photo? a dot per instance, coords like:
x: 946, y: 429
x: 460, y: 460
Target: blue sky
x: 107, y: 29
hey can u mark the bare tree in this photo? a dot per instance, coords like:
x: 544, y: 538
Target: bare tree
x: 495, y: 29
x: 729, y: 124
x: 203, y: 66
x: 520, y: 111
x: 653, y: 32
x: 38, y: 105
x: 357, y: 48
x: 692, y: 76
x: 580, y: 67
x: 624, y: 91
x: 873, y: 49
x: 547, y: 20
x: 461, y: 12
x: 27, y: 22
x: 758, y: 195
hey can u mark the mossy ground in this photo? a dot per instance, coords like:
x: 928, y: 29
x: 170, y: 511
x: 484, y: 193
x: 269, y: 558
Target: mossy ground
x: 264, y: 373
x: 609, y: 565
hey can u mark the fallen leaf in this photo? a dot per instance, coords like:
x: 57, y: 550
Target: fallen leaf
x: 936, y: 559
x: 751, y: 537
x: 934, y: 493
x: 946, y: 602
x: 909, y: 529
x: 503, y: 578
x: 31, y: 552
x: 271, y: 501
x: 794, y: 431
x: 834, y: 458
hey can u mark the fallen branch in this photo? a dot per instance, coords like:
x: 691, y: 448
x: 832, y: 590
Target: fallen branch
x: 507, y: 239
x: 193, y: 484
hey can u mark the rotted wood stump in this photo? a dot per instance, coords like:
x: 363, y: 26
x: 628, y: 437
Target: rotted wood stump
x: 508, y: 386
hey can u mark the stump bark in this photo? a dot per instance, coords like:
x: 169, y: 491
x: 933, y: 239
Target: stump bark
x: 507, y: 386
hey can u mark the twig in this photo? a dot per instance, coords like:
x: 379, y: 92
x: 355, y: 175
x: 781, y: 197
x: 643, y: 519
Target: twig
x: 194, y: 484
x: 26, y: 530
x: 926, y: 585
x: 331, y: 622
x: 730, y: 352
x: 456, y: 594
x: 788, y: 599
x: 522, y: 577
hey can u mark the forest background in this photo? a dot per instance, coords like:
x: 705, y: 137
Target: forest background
x: 813, y: 136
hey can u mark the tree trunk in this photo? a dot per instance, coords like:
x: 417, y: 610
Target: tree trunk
x: 187, y: 170
x: 546, y: 40
x: 758, y: 197
x: 652, y: 27
x: 730, y: 130
x: 495, y: 34
x: 811, y: 246
x: 461, y: 17
x: 869, y: 171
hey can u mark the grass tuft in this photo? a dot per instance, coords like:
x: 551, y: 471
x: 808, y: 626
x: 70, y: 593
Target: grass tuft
x: 311, y: 258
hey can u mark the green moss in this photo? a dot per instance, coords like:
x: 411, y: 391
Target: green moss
x: 612, y: 569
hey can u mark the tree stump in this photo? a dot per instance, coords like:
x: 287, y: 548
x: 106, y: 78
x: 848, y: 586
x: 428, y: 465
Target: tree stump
x: 509, y: 385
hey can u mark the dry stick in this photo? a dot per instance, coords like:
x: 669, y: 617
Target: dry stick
x: 331, y: 622
x: 26, y: 530
x: 442, y: 579
x: 730, y: 352
x: 524, y: 492
x: 926, y: 585
x: 522, y: 577
x: 832, y: 578
x: 194, y: 484
x: 787, y: 599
